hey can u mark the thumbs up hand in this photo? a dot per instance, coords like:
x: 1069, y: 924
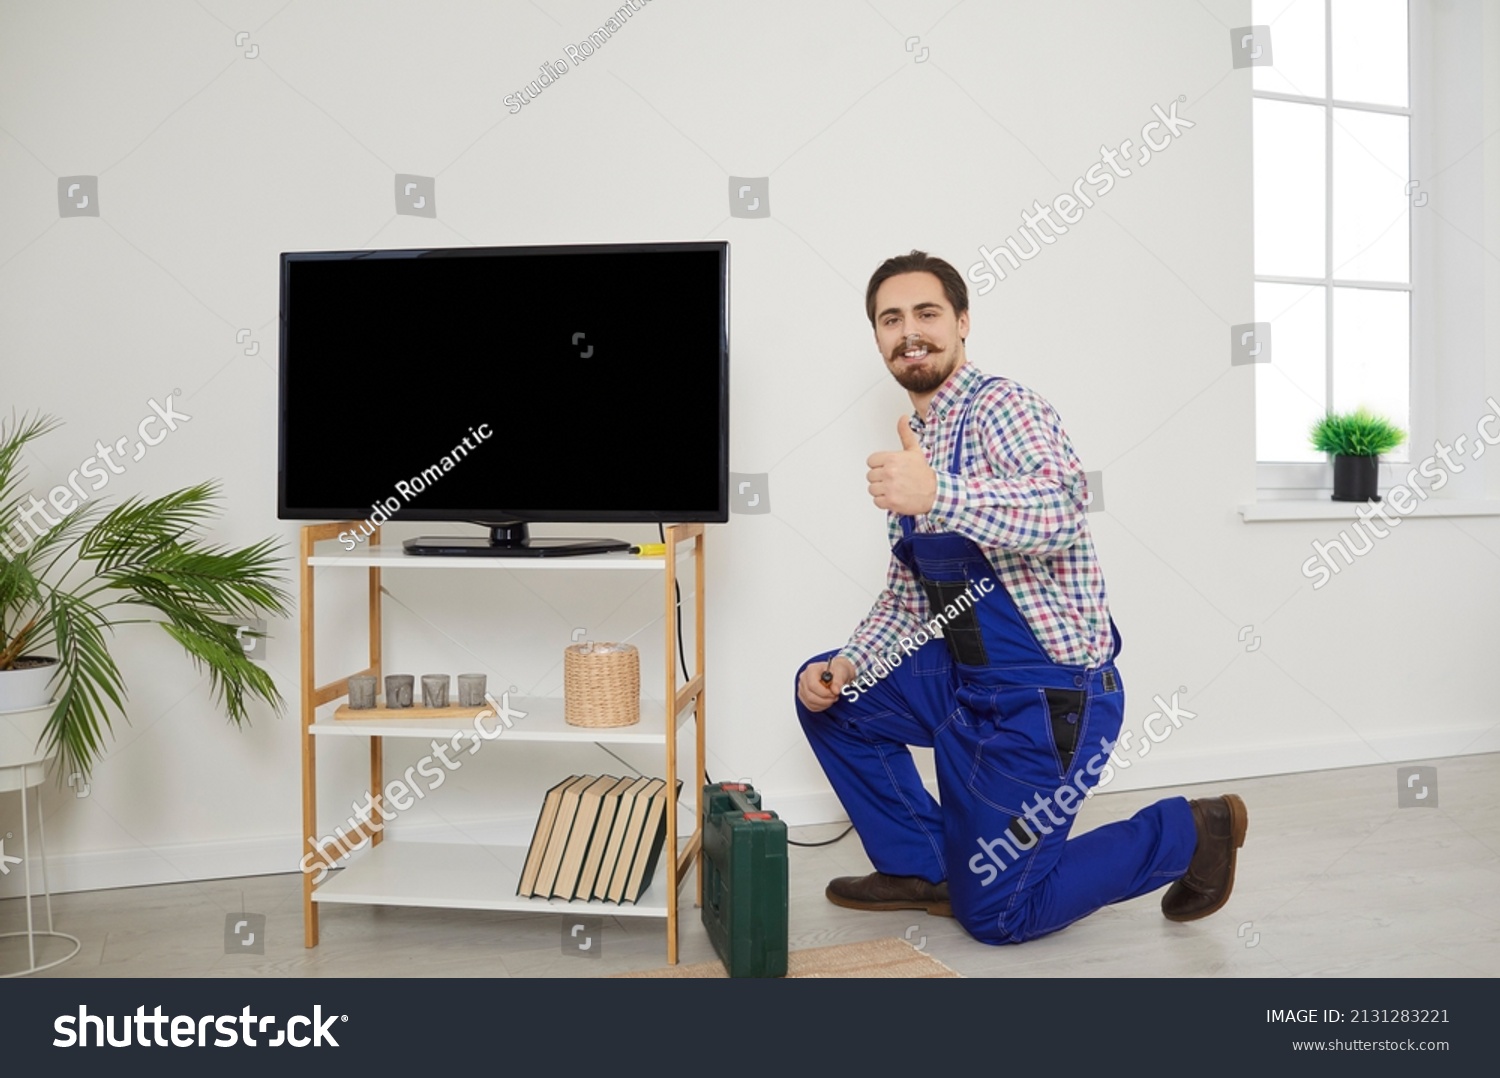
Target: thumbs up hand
x: 903, y: 481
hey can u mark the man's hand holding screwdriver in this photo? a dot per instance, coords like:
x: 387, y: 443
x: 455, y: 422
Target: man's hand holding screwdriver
x: 819, y: 684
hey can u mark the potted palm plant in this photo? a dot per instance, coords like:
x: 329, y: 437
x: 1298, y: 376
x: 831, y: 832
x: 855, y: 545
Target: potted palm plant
x: 66, y: 587
x: 1356, y: 440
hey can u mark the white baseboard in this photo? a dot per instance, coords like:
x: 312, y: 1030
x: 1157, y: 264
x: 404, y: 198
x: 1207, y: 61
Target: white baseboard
x: 1161, y: 768
x: 98, y: 870
x: 813, y: 807
x: 95, y: 870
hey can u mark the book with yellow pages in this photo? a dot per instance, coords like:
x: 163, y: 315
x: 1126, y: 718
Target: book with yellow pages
x: 632, y: 838
x: 609, y: 806
x: 617, y: 836
x: 540, y: 835
x: 584, y: 822
x: 648, y: 850
x: 562, y: 827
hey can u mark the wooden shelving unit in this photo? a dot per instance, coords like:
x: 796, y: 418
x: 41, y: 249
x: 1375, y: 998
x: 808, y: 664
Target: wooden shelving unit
x: 458, y: 876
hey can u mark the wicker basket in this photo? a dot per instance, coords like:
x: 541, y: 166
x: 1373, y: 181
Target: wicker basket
x: 601, y: 688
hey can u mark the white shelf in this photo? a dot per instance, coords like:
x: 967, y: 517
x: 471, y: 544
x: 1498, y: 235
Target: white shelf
x: 543, y: 722
x: 383, y: 557
x: 480, y: 876
x: 462, y: 876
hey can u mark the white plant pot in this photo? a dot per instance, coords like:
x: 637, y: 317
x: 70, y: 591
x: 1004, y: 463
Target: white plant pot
x: 25, y: 706
x: 21, y: 690
x: 20, y: 732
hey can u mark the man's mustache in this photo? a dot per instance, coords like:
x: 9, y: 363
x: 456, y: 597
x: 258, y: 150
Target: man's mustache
x: 908, y: 345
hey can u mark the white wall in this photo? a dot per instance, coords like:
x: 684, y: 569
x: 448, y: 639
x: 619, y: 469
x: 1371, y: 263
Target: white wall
x: 210, y: 163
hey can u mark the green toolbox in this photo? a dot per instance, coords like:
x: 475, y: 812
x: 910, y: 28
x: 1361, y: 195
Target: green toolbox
x: 744, y: 881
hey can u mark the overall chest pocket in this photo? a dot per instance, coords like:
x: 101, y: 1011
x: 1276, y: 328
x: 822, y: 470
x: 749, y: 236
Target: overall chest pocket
x: 961, y: 628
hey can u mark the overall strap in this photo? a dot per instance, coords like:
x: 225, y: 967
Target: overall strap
x: 963, y: 423
x: 957, y: 463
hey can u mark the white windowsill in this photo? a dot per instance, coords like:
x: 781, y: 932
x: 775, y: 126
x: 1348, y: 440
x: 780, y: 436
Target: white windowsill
x: 1327, y: 509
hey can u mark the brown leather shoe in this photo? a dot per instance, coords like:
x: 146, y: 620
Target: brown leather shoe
x: 1221, y: 823
x: 877, y: 891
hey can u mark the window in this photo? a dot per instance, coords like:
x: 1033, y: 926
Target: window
x: 1331, y: 123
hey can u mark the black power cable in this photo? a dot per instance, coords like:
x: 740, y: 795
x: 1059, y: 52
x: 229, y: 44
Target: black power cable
x: 828, y: 842
x: 681, y: 651
x: 682, y: 659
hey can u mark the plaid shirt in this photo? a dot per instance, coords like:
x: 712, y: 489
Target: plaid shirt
x: 1021, y: 501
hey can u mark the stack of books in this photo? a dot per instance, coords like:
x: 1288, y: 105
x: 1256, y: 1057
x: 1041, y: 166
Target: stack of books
x: 597, y: 837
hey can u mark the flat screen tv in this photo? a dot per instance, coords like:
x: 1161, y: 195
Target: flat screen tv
x: 505, y: 386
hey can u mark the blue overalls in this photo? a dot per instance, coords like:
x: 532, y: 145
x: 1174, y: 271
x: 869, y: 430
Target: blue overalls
x: 1018, y: 741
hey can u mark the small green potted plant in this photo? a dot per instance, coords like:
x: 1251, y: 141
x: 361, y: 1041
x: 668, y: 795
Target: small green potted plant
x: 66, y: 586
x: 1356, y: 440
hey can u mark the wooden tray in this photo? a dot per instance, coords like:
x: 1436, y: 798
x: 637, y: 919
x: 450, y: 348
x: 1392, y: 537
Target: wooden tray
x: 416, y: 711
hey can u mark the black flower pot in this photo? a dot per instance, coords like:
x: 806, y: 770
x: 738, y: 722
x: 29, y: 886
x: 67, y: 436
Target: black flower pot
x: 1356, y: 479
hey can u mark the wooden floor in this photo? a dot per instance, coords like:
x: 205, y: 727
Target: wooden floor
x: 1334, y: 880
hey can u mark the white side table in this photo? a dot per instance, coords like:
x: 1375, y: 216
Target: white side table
x: 22, y: 768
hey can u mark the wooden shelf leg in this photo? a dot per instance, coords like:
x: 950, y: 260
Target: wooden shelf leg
x: 377, y: 744
x: 311, y: 535
x: 671, y: 695
x: 699, y: 706
x: 309, y: 753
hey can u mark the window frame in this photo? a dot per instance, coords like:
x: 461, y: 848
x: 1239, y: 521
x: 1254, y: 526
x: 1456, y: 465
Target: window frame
x: 1280, y: 480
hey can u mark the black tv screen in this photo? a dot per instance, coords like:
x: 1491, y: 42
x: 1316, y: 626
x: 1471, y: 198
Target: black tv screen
x: 492, y: 384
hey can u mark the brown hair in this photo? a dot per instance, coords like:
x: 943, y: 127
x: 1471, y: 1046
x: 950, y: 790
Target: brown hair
x: 919, y: 262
